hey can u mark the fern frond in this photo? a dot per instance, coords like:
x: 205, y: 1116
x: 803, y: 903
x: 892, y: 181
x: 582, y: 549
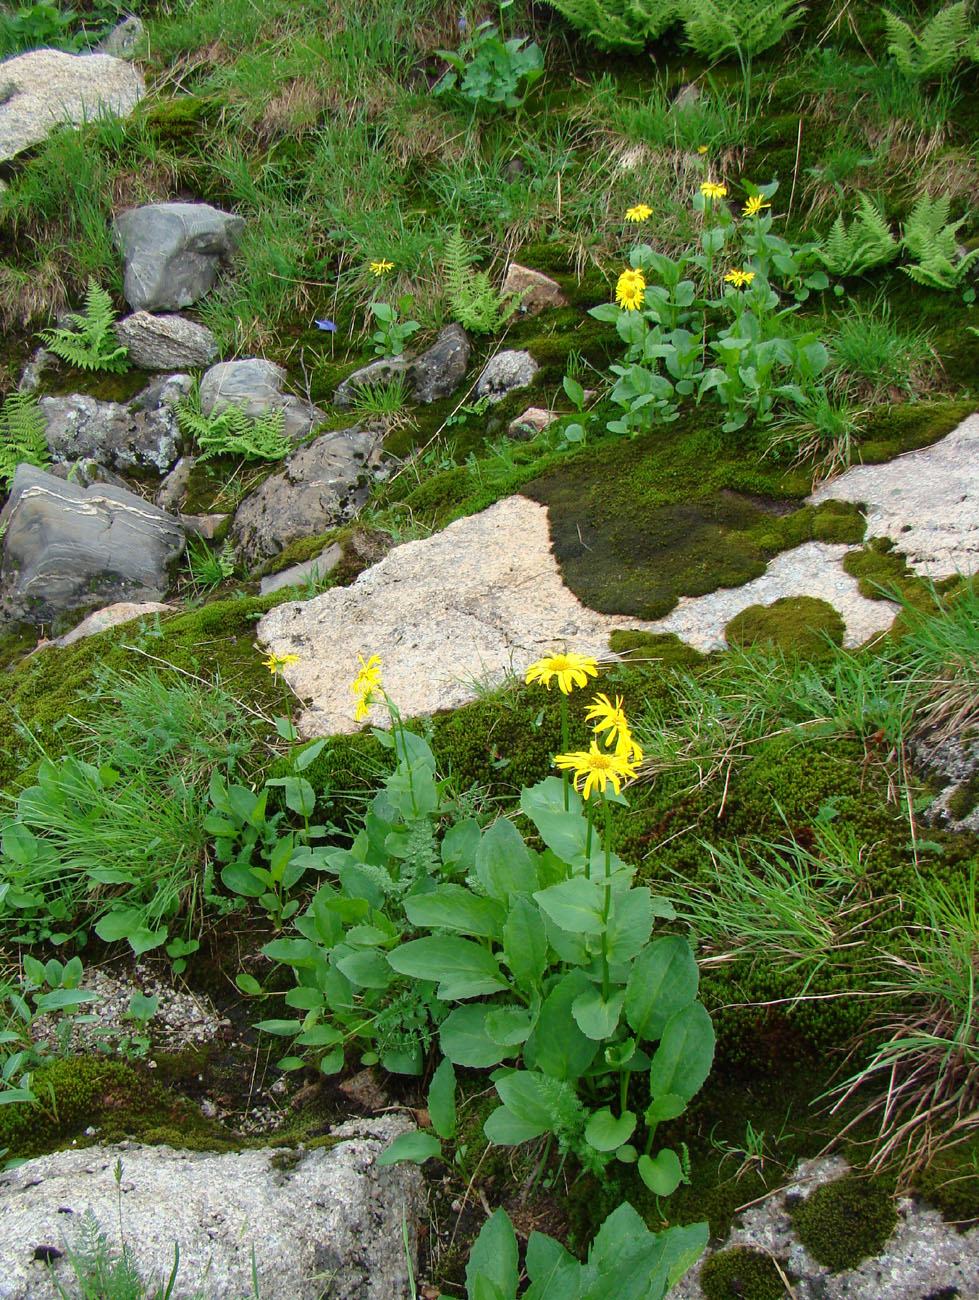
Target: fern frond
x: 930, y: 237
x: 943, y: 42
x: 231, y: 432
x: 715, y: 28
x: 866, y: 243
x: 619, y: 24
x: 92, y: 343
x: 23, y: 435
x: 473, y: 301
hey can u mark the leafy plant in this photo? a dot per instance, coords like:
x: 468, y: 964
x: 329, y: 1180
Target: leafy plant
x: 489, y: 70
x: 38, y: 25
x: 45, y: 989
x: 229, y: 431
x: 473, y: 301
x: 944, y: 41
x: 620, y: 24
x: 390, y: 338
x: 209, y: 568
x: 866, y: 243
x: 92, y: 343
x: 23, y: 435
x: 929, y: 237
x: 625, y: 1261
x: 744, y: 28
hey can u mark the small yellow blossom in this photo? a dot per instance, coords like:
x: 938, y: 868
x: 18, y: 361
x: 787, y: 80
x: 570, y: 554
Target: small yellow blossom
x: 275, y: 662
x: 641, y: 212
x: 365, y: 684
x: 382, y: 267
x: 754, y: 206
x: 596, y: 768
x: 607, y: 717
x: 570, y: 670
x: 630, y: 290
x: 701, y: 148
x: 713, y: 190
x: 739, y: 278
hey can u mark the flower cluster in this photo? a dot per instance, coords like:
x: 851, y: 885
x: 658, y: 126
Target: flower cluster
x: 366, y: 685
x: 611, y: 758
x: 630, y: 290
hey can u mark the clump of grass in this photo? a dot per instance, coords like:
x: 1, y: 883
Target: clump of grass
x: 875, y: 354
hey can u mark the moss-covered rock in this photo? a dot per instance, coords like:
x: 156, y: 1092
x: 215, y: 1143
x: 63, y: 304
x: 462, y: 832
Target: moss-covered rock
x: 796, y: 625
x: 846, y: 1221
x: 741, y: 1273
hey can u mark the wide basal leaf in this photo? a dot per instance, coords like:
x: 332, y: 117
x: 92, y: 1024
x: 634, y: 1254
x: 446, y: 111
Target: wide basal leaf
x: 574, y: 905
x: 451, y: 907
x: 664, y: 979
x: 557, y: 1046
x: 629, y: 924
x: 525, y: 943
x: 607, y: 1132
x: 663, y: 1174
x: 465, y: 1041
x: 442, y: 1099
x: 504, y: 865
x: 463, y: 968
x: 596, y: 1017
x: 494, y: 1256
x: 416, y: 1147
x: 685, y: 1054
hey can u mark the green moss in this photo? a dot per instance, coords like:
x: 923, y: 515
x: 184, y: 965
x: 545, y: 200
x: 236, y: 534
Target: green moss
x: 950, y: 1183
x: 800, y: 625
x: 838, y: 521
x: 179, y: 120
x: 844, y: 1222
x: 664, y: 648
x: 965, y: 798
x: 889, y: 431
x: 883, y: 573
x: 741, y: 1274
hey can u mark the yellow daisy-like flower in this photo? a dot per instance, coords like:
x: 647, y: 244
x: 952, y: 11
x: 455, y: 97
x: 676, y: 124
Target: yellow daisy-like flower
x: 365, y: 684
x: 754, y: 206
x: 701, y: 148
x: 596, y: 768
x: 630, y: 290
x: 607, y: 717
x: 641, y: 212
x: 276, y: 662
x: 382, y: 267
x: 713, y: 190
x: 626, y: 747
x: 570, y: 670
x: 739, y: 278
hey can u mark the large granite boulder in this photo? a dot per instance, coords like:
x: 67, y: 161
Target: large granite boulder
x: 320, y: 485
x: 66, y: 547
x: 166, y: 342
x: 43, y: 88
x: 172, y: 252
x: 140, y: 435
x: 327, y: 1218
x: 433, y: 374
x: 255, y: 385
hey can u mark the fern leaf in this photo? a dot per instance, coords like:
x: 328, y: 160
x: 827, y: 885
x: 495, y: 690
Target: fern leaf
x: 92, y: 343
x: 619, y: 24
x: 23, y: 435
x: 943, y: 42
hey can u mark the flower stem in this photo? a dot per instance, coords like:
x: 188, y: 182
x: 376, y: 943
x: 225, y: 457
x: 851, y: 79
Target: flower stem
x: 606, y: 907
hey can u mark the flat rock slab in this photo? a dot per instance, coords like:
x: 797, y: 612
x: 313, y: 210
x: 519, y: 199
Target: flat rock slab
x: 322, y: 1222
x: 166, y: 342
x: 46, y: 87
x: 927, y: 501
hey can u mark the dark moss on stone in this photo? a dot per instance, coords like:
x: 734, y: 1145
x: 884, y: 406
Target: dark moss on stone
x: 883, y: 573
x: 796, y: 625
x: 664, y: 648
x: 846, y: 1221
x: 889, y: 431
x: 965, y: 798
x: 179, y: 120
x: 741, y: 1273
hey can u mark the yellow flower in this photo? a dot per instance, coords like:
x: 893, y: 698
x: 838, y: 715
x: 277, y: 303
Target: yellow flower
x: 712, y: 190
x: 571, y: 670
x: 627, y: 748
x: 365, y: 684
x: 641, y: 212
x: 701, y: 148
x: 382, y: 267
x: 274, y: 662
x: 739, y: 278
x: 630, y: 290
x: 607, y: 717
x: 596, y: 768
x: 754, y: 206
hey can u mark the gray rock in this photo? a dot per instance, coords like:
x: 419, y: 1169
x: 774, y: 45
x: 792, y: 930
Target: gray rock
x: 319, y: 486
x: 505, y: 373
x: 142, y: 435
x: 123, y: 611
x: 432, y: 375
x: 67, y: 547
x: 47, y: 87
x: 536, y: 290
x: 172, y: 252
x: 166, y: 342
x: 924, y: 1256
x: 30, y: 376
x: 125, y: 40
x: 255, y: 385
x: 330, y: 1217
x: 954, y: 761
x: 173, y: 489
x: 532, y: 422
x: 313, y: 570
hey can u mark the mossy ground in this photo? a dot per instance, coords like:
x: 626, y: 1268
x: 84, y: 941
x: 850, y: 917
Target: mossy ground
x: 844, y: 1222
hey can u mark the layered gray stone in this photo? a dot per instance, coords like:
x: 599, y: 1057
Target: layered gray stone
x: 66, y: 547
x: 320, y: 485
x: 166, y: 342
x: 141, y: 435
x: 433, y: 374
x: 328, y: 1218
x: 505, y: 373
x: 314, y: 570
x: 173, y: 252
x: 43, y: 88
x: 255, y: 385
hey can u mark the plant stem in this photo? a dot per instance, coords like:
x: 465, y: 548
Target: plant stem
x: 606, y: 907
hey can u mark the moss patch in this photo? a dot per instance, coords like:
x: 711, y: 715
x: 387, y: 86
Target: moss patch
x: 846, y: 1221
x: 664, y: 648
x: 799, y: 625
x: 741, y: 1274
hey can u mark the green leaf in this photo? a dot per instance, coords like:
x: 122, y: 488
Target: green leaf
x: 459, y: 845
x: 240, y: 879
x: 416, y: 1147
x: 465, y: 1041
x: 494, y: 1256
x: 606, y: 1132
x: 525, y: 943
x: 663, y: 980
x: 463, y: 968
x: 509, y: 1026
x: 663, y: 1174
x: 595, y: 1017
x: 505, y: 1129
x: 504, y: 865
x: 304, y: 998
x: 575, y: 905
x: 442, y: 1100
x: 310, y: 754
x: 685, y: 1054
x: 284, y: 1028
x: 565, y: 832
x: 367, y: 968
x: 557, y: 1046
x: 452, y: 907
x: 670, y: 1106
x: 629, y: 923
